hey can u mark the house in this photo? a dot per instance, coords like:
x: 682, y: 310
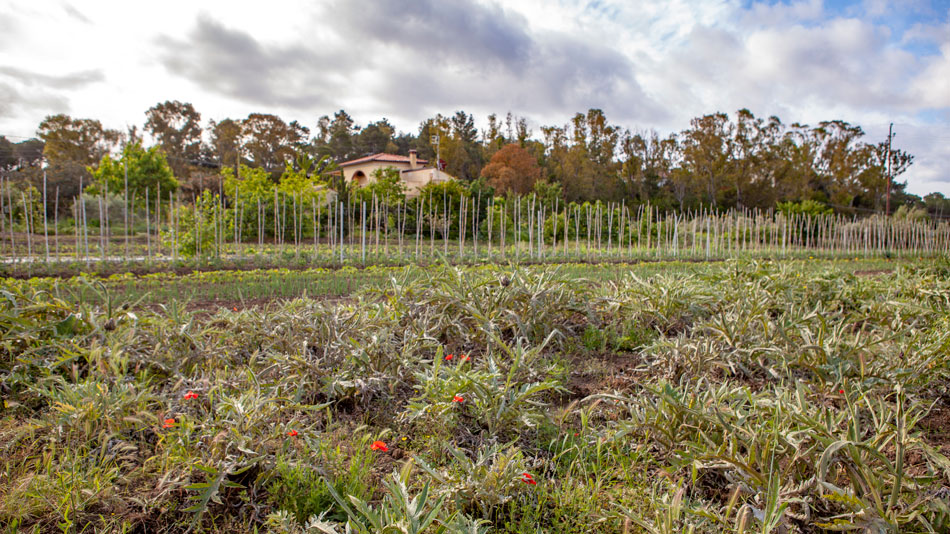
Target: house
x: 412, y: 170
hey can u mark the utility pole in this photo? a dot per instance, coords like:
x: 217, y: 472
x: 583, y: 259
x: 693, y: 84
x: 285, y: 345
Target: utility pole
x: 887, y: 202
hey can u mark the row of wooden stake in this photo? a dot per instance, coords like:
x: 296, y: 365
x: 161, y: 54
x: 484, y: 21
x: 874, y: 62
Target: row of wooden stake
x: 376, y: 230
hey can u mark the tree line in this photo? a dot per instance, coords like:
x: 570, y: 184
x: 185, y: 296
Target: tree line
x: 719, y: 162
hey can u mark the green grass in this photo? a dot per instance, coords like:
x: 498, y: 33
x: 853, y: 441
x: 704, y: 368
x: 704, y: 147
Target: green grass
x: 253, y: 286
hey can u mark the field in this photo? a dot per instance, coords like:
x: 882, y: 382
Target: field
x: 807, y: 394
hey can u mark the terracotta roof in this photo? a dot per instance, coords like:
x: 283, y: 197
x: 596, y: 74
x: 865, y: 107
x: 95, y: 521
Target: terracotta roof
x: 386, y: 158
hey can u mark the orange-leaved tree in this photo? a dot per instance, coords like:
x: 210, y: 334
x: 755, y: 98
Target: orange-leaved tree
x: 512, y: 169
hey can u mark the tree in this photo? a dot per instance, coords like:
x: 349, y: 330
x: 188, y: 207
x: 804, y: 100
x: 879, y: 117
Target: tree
x: 148, y: 169
x: 268, y: 141
x: 8, y: 158
x: 226, y: 142
x: 71, y: 146
x: 512, y: 169
x: 839, y: 161
x: 937, y: 205
x: 873, y: 178
x: 376, y: 137
x: 177, y: 128
x: 461, y: 150
x: 335, y: 138
x: 707, y: 152
x: 492, y: 138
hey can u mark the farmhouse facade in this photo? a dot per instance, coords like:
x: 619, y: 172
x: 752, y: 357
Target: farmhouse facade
x: 412, y: 171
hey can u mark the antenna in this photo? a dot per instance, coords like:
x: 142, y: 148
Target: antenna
x: 434, y: 139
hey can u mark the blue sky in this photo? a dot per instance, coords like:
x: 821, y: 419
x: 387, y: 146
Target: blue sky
x: 647, y: 64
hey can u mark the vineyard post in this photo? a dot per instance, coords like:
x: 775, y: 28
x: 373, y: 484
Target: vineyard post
x: 504, y: 228
x: 363, y: 231
x: 531, y: 216
x: 276, y: 214
x: 517, y: 223
x: 567, y: 228
x: 491, y: 213
x: 75, y: 208
x: 158, y: 219
x: 173, y: 222
x: 125, y: 211
x: 676, y: 234
x: 148, y: 228
x: 445, y: 224
x: 432, y: 206
x: 3, y: 216
x: 55, y: 220
x: 102, y: 227
x: 504, y: 218
x: 623, y: 208
x: 600, y: 226
x: 610, y: 228
x: 577, y: 231
x: 588, y: 231
x: 375, y: 221
x: 461, y: 225
x: 540, y: 233
x: 475, y: 220
x: 45, y: 226
x: 293, y: 213
x: 237, y: 222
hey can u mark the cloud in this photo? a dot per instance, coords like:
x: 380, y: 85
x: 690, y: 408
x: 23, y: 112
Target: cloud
x: 9, y: 30
x: 24, y: 93
x: 930, y: 145
x: 932, y: 86
x: 15, y: 104
x: 428, y: 55
x: 231, y: 62
x: 76, y: 14
x: 782, y: 14
x: 75, y: 80
x: 483, y: 36
x: 412, y: 60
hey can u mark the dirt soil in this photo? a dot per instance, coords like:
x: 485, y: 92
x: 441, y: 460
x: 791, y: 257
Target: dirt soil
x: 936, y: 428
x: 601, y: 372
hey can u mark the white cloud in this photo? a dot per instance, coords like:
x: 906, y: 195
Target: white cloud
x: 932, y: 87
x: 647, y: 64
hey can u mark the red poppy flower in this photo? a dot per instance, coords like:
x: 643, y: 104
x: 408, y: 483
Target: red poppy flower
x: 458, y: 398
x: 292, y: 433
x: 465, y: 358
x: 449, y: 357
x: 378, y: 446
x: 528, y: 479
x: 841, y: 391
x: 235, y: 308
x: 191, y: 395
x: 577, y: 434
x: 170, y: 422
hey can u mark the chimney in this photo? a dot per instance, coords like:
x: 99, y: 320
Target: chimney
x: 412, y: 160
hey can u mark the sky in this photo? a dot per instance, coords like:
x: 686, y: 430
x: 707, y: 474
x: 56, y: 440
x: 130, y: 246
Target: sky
x: 647, y: 65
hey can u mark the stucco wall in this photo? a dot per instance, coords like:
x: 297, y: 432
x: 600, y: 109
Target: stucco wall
x: 368, y: 168
x: 414, y: 180
x: 418, y: 179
